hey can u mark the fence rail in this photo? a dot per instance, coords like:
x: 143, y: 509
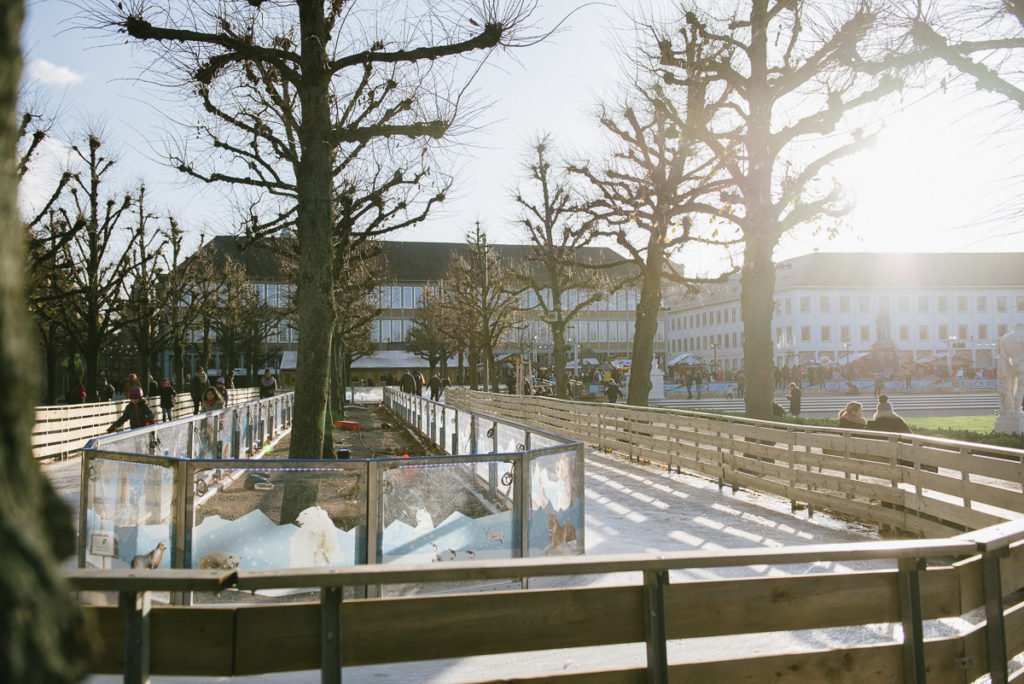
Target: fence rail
x: 61, y: 431
x: 886, y: 478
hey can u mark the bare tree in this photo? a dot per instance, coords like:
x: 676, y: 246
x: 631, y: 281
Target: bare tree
x: 653, y: 196
x: 485, y: 298
x: 143, y: 304
x: 99, y: 255
x: 330, y: 60
x: 433, y: 336
x: 241, y: 320
x: 43, y: 636
x: 557, y: 227
x: 791, y: 75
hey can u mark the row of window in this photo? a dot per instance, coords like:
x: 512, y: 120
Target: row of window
x: 705, y: 343
x: 704, y: 319
x: 924, y: 304
x: 404, y: 297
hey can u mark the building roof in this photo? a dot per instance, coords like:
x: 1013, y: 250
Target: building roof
x: 407, y: 261
x: 902, y: 270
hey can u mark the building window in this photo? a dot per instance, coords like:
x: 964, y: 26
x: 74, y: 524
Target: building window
x: 922, y: 304
x: 824, y: 304
x: 826, y: 333
x: 1020, y: 304
x: 865, y: 333
x: 904, y: 333
x: 982, y: 332
x: 805, y: 333
x: 943, y: 304
x: 922, y: 333
x: 1001, y: 304
x: 805, y: 305
x: 864, y: 304
x: 982, y: 304
x: 734, y: 340
x: 943, y: 332
x: 789, y: 308
x: 718, y: 317
x: 844, y: 333
x: 961, y: 304
x: 904, y: 304
x: 1002, y: 329
x: 844, y: 304
x: 961, y: 331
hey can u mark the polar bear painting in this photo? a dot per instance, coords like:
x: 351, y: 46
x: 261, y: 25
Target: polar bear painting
x: 315, y: 543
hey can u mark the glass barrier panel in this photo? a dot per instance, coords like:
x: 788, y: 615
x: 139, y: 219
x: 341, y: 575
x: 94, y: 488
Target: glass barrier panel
x: 242, y: 430
x: 238, y: 523
x: 464, y: 422
x: 511, y: 439
x: 129, y: 515
x: 207, y: 438
x: 227, y: 438
x: 441, y: 514
x: 485, y: 432
x: 556, y: 505
x: 172, y: 439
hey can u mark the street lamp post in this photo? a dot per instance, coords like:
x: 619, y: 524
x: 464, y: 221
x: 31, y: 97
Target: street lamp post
x: 949, y: 355
x: 714, y: 361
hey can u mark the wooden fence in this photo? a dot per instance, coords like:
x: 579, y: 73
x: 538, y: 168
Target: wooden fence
x: 920, y: 485
x: 60, y: 431
x: 881, y: 477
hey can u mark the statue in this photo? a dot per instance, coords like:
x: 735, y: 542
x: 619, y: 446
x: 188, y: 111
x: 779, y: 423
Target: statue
x: 1011, y: 373
x: 882, y: 327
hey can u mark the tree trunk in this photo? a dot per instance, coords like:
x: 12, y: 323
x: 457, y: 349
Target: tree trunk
x: 757, y: 294
x: 558, y: 341
x: 43, y: 636
x: 647, y: 311
x: 315, y: 287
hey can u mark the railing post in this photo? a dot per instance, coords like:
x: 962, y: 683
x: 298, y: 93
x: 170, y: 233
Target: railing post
x: 330, y: 635
x: 655, y: 582
x: 995, y: 628
x: 135, y: 609
x: 910, y: 611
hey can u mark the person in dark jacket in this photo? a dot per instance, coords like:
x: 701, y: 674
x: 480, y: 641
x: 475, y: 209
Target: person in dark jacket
x: 167, y: 394
x: 200, y: 381
x: 794, y: 396
x: 612, y: 391
x: 435, y: 387
x: 853, y: 416
x: 407, y: 382
x: 137, y: 413
x: 887, y: 420
x: 106, y: 389
x: 268, y: 385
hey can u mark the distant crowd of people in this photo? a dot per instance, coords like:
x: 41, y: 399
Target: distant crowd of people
x: 207, y: 394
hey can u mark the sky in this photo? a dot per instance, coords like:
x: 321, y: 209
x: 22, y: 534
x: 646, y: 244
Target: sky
x: 940, y: 178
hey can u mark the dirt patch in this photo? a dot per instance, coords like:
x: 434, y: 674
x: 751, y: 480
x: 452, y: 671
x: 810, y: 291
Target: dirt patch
x: 342, y: 494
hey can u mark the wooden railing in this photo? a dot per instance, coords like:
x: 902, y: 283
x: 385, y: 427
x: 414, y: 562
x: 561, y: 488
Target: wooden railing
x: 61, y: 431
x: 921, y: 485
x: 915, y: 581
x: 875, y: 476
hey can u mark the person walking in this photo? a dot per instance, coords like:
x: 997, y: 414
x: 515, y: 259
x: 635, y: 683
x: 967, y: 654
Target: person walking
x: 268, y: 385
x: 167, y: 395
x: 795, y: 393
x: 222, y: 388
x: 230, y: 382
x: 211, y: 400
x: 106, y: 390
x: 132, y: 381
x: 435, y: 387
x: 137, y: 413
x: 420, y: 381
x: 200, y: 381
x: 407, y: 382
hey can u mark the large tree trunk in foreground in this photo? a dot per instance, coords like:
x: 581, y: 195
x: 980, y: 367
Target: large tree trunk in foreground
x: 42, y: 633
x: 757, y: 304
x: 647, y: 311
x: 315, y: 288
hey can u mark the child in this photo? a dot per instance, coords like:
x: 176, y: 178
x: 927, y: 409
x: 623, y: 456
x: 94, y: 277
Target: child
x: 137, y: 413
x: 167, y: 394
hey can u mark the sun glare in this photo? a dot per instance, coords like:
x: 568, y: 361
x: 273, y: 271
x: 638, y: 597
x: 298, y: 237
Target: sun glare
x: 927, y: 185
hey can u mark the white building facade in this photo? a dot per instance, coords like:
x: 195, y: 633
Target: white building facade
x: 936, y: 308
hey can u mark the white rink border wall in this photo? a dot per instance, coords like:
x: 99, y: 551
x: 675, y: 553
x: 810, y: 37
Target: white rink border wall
x: 979, y: 572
